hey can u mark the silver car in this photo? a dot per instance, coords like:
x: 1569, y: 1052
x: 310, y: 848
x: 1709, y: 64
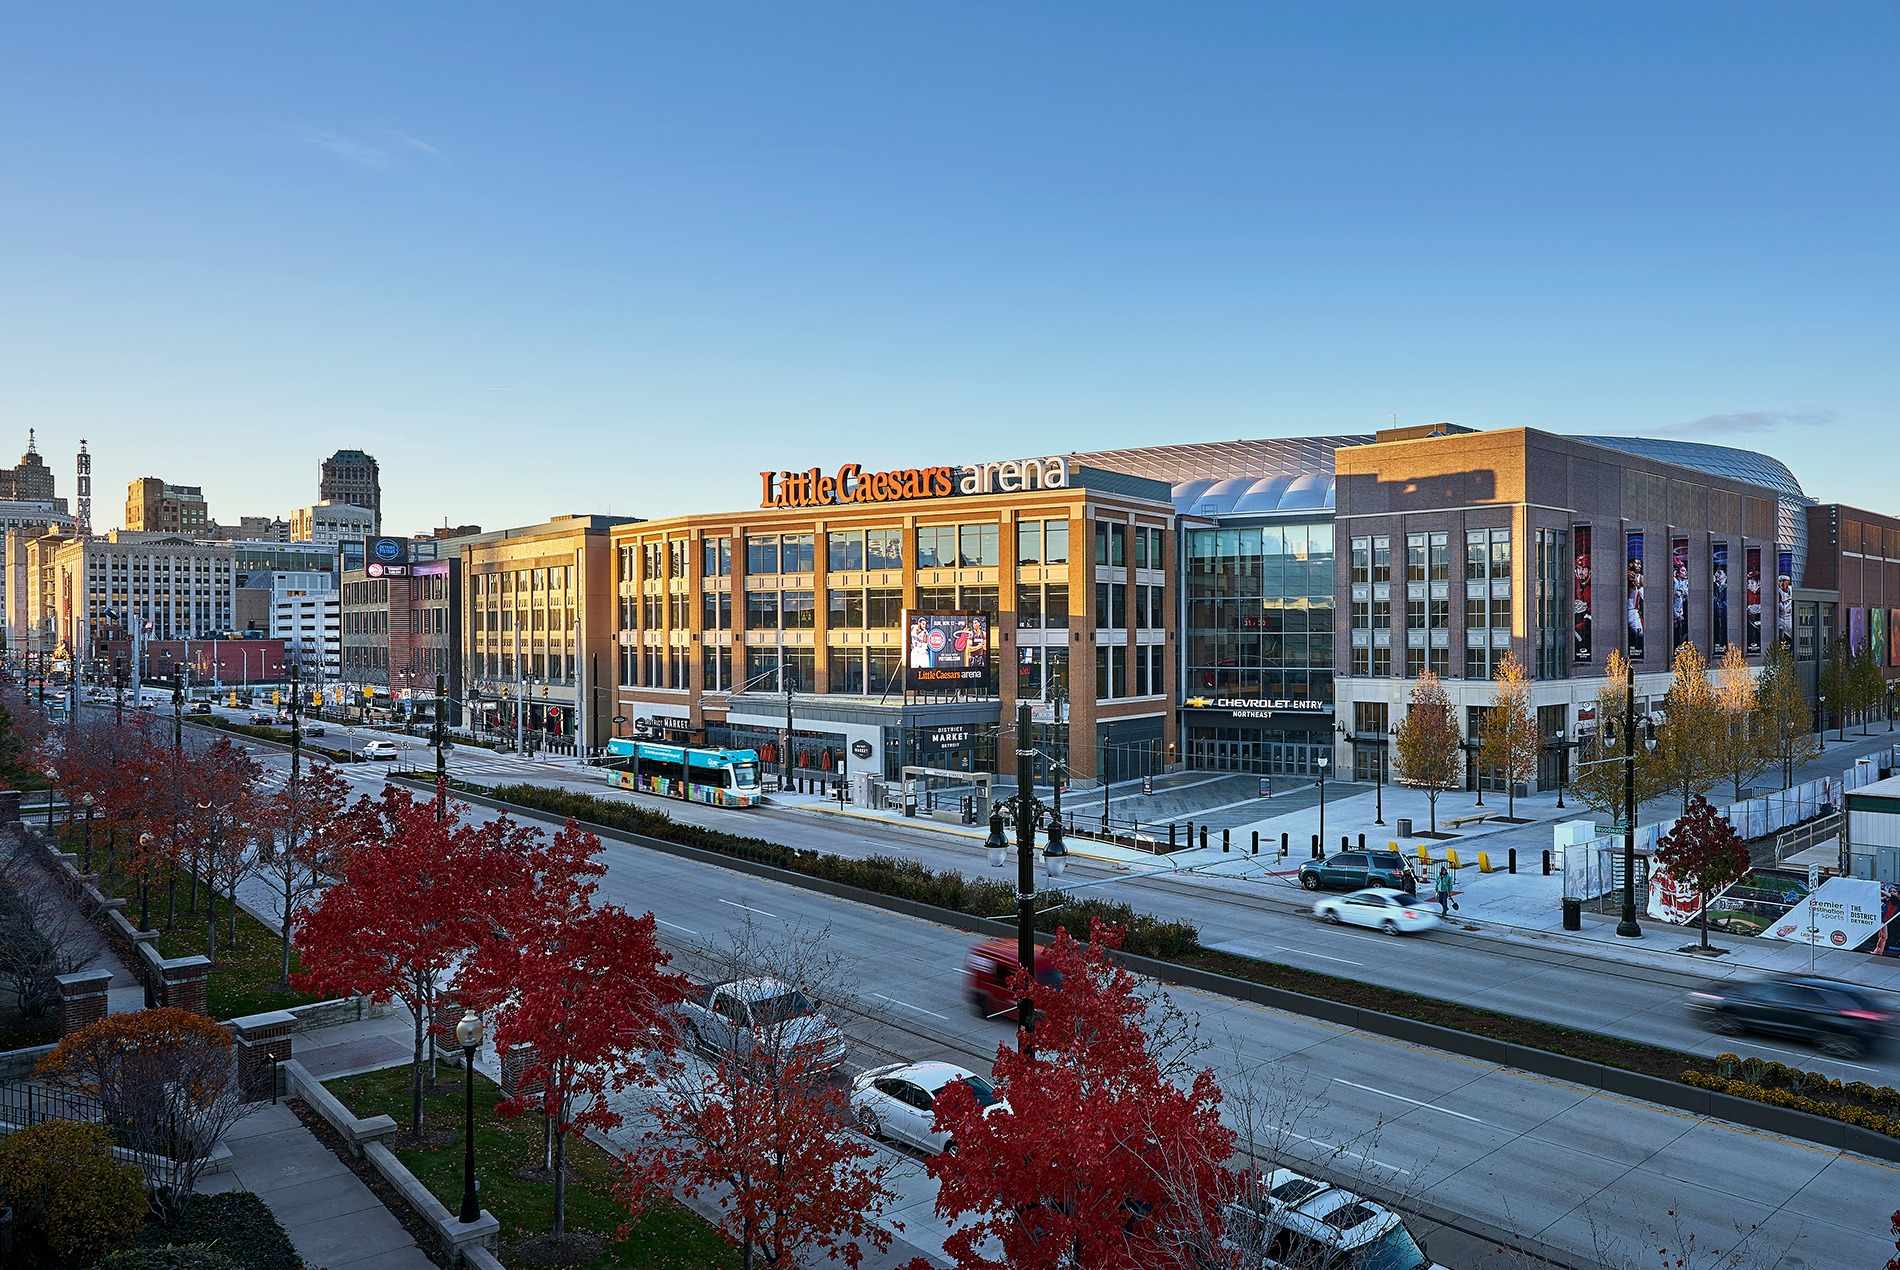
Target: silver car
x: 898, y: 1101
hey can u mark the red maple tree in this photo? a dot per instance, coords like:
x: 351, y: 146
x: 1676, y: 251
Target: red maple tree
x: 307, y: 835
x: 585, y: 990
x: 1704, y: 851
x: 1099, y: 1160
x: 417, y: 896
x: 1893, y: 1228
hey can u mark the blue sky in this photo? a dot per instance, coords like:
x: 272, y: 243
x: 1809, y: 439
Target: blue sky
x: 584, y: 258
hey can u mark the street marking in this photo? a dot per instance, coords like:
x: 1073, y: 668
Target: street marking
x: 1301, y: 952
x: 1817, y: 1058
x: 676, y: 926
x: 748, y: 908
x: 1415, y: 1102
x: 1357, y: 1155
x: 908, y: 1006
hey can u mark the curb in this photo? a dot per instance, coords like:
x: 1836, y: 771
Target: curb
x: 1819, y: 1130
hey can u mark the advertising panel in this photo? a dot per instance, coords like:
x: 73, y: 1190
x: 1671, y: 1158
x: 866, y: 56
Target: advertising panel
x: 1784, y: 596
x: 1633, y: 597
x: 1877, y: 635
x: 1580, y: 596
x: 1718, y: 597
x: 1856, y: 630
x: 946, y: 651
x: 1844, y: 913
x: 1751, y: 639
x: 1678, y: 592
x: 1893, y: 637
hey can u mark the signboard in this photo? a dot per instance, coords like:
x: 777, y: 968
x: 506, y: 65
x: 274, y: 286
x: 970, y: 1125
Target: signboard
x: 860, y: 750
x: 385, y: 551
x: 1633, y: 597
x: 1266, y: 786
x: 1147, y: 784
x: 1751, y: 600
x: 945, y: 651
x: 1718, y: 597
x: 1580, y: 618
x: 1678, y: 592
x: 1842, y: 913
x: 852, y: 484
x: 1278, y: 705
x: 948, y: 736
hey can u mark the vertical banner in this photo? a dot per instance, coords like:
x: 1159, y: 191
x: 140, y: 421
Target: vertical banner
x: 1856, y: 630
x: 1633, y: 597
x: 1784, y: 596
x: 1580, y: 594
x: 1751, y: 643
x: 1718, y: 598
x: 1893, y: 637
x: 1678, y: 592
x: 1877, y: 635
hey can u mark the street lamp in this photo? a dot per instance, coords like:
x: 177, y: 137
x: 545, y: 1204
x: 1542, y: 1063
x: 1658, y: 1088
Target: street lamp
x: 1055, y: 860
x: 1352, y: 739
x: 468, y: 1034
x: 1322, y: 803
x: 1820, y: 720
x: 1560, y: 750
x: 87, y: 801
x: 52, y: 781
x: 1626, y: 926
x: 145, y: 906
x: 1471, y: 746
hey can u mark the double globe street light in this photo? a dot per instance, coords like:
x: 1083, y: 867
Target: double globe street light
x: 1026, y: 809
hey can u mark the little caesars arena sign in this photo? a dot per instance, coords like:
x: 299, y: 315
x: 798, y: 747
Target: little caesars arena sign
x: 852, y: 484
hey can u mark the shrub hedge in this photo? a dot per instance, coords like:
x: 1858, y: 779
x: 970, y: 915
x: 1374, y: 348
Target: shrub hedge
x: 237, y: 1225
x: 169, y: 1257
x: 1865, y: 1117
x: 1145, y: 935
x: 72, y: 1202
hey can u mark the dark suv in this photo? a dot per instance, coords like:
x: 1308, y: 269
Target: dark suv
x: 1841, y: 1019
x: 1356, y: 870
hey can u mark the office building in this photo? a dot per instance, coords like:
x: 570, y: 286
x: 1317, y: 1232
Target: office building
x: 331, y: 523
x: 154, y: 507
x: 400, y: 628
x: 351, y: 476
x: 31, y: 481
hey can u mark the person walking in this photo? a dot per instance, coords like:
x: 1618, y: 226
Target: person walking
x: 1442, y: 885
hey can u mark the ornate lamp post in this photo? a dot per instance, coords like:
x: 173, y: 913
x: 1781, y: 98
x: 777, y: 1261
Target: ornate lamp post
x: 87, y: 801
x: 468, y: 1034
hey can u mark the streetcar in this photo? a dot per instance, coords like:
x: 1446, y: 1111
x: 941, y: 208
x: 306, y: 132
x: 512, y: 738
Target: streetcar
x: 724, y: 778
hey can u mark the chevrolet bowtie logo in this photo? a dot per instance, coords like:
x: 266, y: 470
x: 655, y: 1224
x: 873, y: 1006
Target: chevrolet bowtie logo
x: 1197, y: 701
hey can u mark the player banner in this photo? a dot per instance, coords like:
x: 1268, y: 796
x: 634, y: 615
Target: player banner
x: 1633, y: 597
x: 1784, y: 596
x: 1751, y: 640
x: 1580, y: 595
x: 1718, y: 597
x: 1678, y: 592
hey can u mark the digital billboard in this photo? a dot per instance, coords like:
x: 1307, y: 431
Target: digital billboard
x: 946, y: 651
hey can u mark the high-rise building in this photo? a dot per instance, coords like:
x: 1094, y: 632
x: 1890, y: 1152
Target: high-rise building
x: 351, y: 476
x: 154, y: 507
x: 31, y: 481
x: 331, y: 522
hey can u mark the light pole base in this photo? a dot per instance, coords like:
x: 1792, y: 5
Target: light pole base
x: 1628, y: 929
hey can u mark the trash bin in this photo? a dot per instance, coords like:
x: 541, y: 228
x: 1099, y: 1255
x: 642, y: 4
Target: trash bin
x: 1573, y: 913
x: 1405, y: 827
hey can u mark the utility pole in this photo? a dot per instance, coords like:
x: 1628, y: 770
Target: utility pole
x: 785, y: 755
x: 441, y: 767
x: 178, y: 707
x: 1627, y: 927
x: 296, y: 724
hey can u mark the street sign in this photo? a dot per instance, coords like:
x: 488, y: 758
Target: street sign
x: 1147, y: 784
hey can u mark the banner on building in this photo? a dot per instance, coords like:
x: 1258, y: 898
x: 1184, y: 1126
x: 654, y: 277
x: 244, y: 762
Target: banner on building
x: 1718, y: 598
x: 1633, y: 596
x: 1842, y: 913
x: 1877, y: 635
x: 1751, y: 640
x: 1580, y: 595
x: 1678, y: 592
x: 946, y: 650
x: 1784, y: 596
x: 1893, y: 637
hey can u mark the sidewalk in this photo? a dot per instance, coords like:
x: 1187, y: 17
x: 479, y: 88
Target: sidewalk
x: 332, y: 1218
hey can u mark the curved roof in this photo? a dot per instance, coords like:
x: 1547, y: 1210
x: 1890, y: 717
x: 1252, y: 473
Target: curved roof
x: 1226, y: 478
x: 1717, y: 460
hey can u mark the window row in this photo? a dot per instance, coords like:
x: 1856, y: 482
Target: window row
x: 1114, y: 612
x: 559, y: 577
x: 1117, y: 665
x: 1117, y: 544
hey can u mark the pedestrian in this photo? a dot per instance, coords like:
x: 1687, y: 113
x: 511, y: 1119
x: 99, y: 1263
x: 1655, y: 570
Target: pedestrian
x: 1442, y: 884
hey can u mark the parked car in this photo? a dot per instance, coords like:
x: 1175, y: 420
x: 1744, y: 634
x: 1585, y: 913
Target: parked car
x: 200, y: 707
x: 899, y: 1101
x: 379, y: 749
x: 1379, y: 907
x: 762, y: 1021
x: 987, y: 971
x: 1841, y: 1019
x: 1356, y: 870
x: 1293, y: 1222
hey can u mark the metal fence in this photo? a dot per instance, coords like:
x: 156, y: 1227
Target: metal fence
x: 27, y: 1103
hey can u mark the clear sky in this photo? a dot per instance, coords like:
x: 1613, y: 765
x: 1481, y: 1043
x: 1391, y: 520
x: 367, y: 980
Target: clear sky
x: 548, y: 258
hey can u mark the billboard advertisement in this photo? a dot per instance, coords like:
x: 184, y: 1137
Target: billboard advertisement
x: 946, y: 651
x: 1877, y: 635
x: 1893, y: 637
x: 1633, y: 597
x: 1678, y: 592
x: 1856, y: 630
x: 1751, y: 640
x: 1718, y: 597
x: 1784, y: 596
x: 1580, y: 596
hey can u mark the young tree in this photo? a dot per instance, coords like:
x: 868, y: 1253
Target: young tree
x: 761, y: 1132
x: 1867, y: 684
x: 227, y: 818
x: 587, y: 992
x: 1786, y: 717
x: 1704, y: 851
x: 1429, y: 757
x: 1831, y: 684
x: 1685, y: 742
x: 165, y: 1077
x: 1509, y: 730
x: 416, y: 897
x: 307, y: 832
x: 1741, y: 751
x: 1098, y: 1159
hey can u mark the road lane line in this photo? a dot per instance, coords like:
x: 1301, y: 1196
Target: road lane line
x: 1301, y: 952
x: 1443, y: 1111
x: 748, y: 908
x: 1815, y: 1058
x: 908, y: 1006
x: 1357, y: 1155
x: 676, y: 926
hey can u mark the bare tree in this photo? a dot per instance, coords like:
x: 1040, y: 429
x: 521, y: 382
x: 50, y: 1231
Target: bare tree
x: 43, y: 934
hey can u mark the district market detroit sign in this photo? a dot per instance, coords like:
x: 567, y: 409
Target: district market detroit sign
x: 852, y: 484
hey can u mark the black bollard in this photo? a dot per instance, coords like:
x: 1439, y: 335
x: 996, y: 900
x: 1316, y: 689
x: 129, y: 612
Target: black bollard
x: 1203, y: 837
x: 1284, y: 848
x: 1345, y: 842
x: 1256, y: 842
x: 1170, y: 835
x: 1546, y: 864
x: 1362, y: 842
x: 1511, y: 865
x: 1223, y: 842
x: 1316, y: 846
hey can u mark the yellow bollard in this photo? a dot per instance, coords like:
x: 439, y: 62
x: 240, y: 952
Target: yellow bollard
x: 1451, y: 858
x: 1484, y: 862
x: 1424, y: 856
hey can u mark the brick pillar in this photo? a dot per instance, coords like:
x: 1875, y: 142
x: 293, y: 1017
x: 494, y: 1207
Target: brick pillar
x: 181, y: 983
x: 9, y: 807
x: 82, y: 999
x: 263, y: 1041
x: 513, y: 1064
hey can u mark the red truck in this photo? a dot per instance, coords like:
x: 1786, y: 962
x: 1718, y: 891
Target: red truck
x: 987, y: 972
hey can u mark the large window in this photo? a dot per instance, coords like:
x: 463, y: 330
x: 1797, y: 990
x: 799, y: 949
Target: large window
x: 846, y: 610
x: 883, y: 608
x: 883, y: 548
x: 936, y: 546
x: 844, y: 550
x: 977, y: 546
x: 761, y: 555
x: 1551, y: 604
x: 715, y: 612
x: 1427, y: 604
x: 798, y: 610
x: 1042, y: 542
x: 1042, y: 674
x: 715, y: 557
x: 1111, y: 543
x: 1148, y: 549
x: 1487, y: 600
x: 936, y: 599
x: 1259, y: 606
x: 795, y: 554
x: 761, y: 610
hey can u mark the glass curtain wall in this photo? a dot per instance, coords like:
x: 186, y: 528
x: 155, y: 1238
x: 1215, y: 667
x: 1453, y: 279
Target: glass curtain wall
x: 1260, y: 612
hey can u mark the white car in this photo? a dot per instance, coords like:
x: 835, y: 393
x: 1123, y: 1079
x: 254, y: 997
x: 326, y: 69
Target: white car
x: 379, y: 749
x: 1287, y: 1221
x: 1379, y: 907
x: 898, y: 1101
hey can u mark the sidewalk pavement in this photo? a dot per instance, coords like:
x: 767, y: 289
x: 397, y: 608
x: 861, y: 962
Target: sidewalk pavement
x: 334, y: 1220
